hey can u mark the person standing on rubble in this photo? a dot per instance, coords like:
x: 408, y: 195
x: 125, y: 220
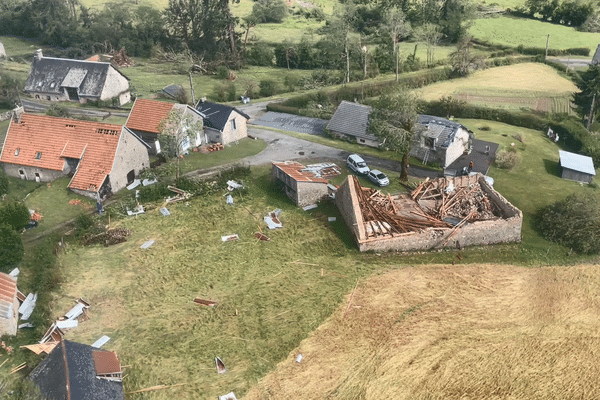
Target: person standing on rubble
x: 470, y: 166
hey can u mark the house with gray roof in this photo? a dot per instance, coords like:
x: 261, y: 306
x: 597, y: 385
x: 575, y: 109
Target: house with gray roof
x: 576, y: 167
x: 61, y: 79
x: 439, y: 140
x: 78, y: 371
x: 222, y: 123
x: 351, y: 121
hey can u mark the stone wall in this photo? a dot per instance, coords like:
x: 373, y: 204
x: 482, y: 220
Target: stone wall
x: 457, y: 147
x: 347, y: 203
x: 131, y: 154
x: 310, y: 192
x: 45, y: 175
x: 231, y: 135
x: 115, y: 85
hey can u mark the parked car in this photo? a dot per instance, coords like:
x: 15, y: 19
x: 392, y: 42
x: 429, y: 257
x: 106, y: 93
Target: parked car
x: 356, y: 164
x: 378, y: 177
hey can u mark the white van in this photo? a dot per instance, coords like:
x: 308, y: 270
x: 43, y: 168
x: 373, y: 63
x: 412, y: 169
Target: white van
x: 356, y: 164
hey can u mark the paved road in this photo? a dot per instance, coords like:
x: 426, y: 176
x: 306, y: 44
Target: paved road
x: 572, y: 62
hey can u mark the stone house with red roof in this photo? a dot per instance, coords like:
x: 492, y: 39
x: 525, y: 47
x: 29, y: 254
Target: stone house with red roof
x: 9, y: 305
x: 302, y: 184
x: 100, y: 158
x: 146, y: 116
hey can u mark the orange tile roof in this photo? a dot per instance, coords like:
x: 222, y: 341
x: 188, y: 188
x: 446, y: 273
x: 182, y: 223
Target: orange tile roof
x: 146, y: 115
x: 8, y: 288
x: 94, y: 143
x: 106, y: 362
x: 294, y: 170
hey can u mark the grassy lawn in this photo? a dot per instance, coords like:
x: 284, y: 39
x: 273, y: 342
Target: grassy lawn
x: 534, y: 183
x: 514, y: 31
x: 529, y: 85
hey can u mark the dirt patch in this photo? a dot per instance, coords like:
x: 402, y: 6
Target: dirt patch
x: 445, y: 332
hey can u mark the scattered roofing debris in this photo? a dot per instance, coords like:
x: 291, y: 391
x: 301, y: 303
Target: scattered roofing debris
x: 309, y: 207
x: 147, y: 244
x: 107, y: 366
x: 147, y: 182
x: 25, y: 325
x: 232, y: 185
x: 28, y: 305
x: 299, y: 358
x: 323, y: 170
x: 272, y: 219
x: 220, y: 365
x: 101, y: 342
x: 8, y: 349
x: 35, y: 216
x: 209, y: 148
x: 180, y: 195
x: 164, y: 211
x: 138, y: 210
x: 229, y: 199
x: 79, y: 309
x: 107, y: 237
x: 67, y: 324
x: 53, y: 334
x: 205, y: 302
x: 40, y: 348
x: 134, y: 184
x: 331, y: 219
x: 229, y: 238
x: 261, y: 236
x: 14, y: 273
x: 228, y: 396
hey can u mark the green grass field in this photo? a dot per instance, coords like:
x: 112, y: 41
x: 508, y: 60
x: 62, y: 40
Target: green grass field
x: 514, y: 31
x: 528, y: 85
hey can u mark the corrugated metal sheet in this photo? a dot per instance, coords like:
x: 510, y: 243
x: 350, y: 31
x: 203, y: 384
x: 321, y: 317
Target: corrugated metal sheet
x: 576, y: 162
x: 101, y: 342
x: 28, y: 305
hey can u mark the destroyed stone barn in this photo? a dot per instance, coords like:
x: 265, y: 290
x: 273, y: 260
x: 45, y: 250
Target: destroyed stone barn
x: 305, y: 185
x: 445, y: 212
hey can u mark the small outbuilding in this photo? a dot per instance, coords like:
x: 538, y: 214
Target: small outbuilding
x: 576, y: 167
x: 79, y: 371
x: 304, y: 185
x: 351, y: 121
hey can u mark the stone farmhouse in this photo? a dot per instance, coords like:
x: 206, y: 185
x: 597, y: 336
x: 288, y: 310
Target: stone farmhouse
x: 223, y: 124
x: 351, y: 121
x: 304, y: 185
x: 446, y: 212
x: 100, y: 158
x: 146, y: 116
x: 9, y: 305
x: 79, y: 371
x: 61, y: 79
x: 439, y: 140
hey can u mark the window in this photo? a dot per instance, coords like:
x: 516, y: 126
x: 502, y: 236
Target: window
x: 47, y: 97
x: 430, y: 142
x: 233, y: 124
x: 17, y: 152
x: 38, y: 155
x: 361, y: 140
x: 37, y: 177
x: 52, y: 85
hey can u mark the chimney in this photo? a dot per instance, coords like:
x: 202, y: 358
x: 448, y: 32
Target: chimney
x: 38, y: 54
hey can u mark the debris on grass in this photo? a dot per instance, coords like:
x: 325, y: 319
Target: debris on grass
x: 107, y: 237
x: 53, y: 334
x: 164, y: 211
x: 272, y: 219
x: 220, y: 365
x: 35, y: 216
x: 8, y: 349
x: 147, y: 182
x: 18, y: 368
x: 28, y: 305
x: 232, y: 185
x: 261, y: 236
x: 179, y: 194
x: 229, y: 199
x: 14, y: 273
x: 40, y: 348
x: 138, y: 210
x: 309, y: 207
x: 136, y: 183
x: 299, y: 358
x: 331, y: 219
x: 67, y: 324
x: 229, y: 238
x: 78, y: 310
x: 157, y: 387
x: 101, y: 342
x: 205, y: 302
x: 228, y: 396
x: 147, y: 244
x: 25, y: 325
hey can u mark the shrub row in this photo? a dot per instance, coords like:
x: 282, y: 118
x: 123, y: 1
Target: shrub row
x: 484, y: 44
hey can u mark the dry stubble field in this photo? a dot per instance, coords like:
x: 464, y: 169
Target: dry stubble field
x: 447, y: 332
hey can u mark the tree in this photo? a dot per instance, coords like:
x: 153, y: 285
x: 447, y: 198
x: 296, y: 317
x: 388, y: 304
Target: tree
x: 16, y: 215
x: 177, y: 132
x: 11, y: 247
x: 3, y: 183
x: 269, y: 10
x: 455, y: 18
x: 397, y: 28
x: 431, y: 35
x: 393, y: 120
x: 336, y: 35
x: 462, y: 59
x: 588, y: 98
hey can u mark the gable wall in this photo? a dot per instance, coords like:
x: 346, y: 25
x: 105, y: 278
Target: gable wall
x: 115, y: 85
x: 457, y: 147
x: 241, y: 131
x: 131, y: 155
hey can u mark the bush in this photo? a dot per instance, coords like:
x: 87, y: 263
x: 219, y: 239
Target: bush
x: 16, y: 215
x: 261, y: 54
x: 507, y: 159
x: 3, y: 183
x: 222, y: 72
x: 220, y: 93
x: 573, y: 222
x: 267, y: 88
x: 290, y: 82
x: 11, y: 247
x: 270, y: 10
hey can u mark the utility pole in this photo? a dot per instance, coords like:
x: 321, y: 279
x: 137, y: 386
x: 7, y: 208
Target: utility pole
x: 192, y: 89
x: 591, y: 117
x: 547, y: 41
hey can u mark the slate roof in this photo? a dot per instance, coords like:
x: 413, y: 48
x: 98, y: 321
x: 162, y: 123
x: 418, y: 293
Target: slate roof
x: 576, y: 162
x: 50, y: 75
x: 216, y: 115
x: 440, y: 128
x: 93, y: 143
x: 351, y: 119
x: 294, y: 170
x: 146, y: 115
x: 68, y: 372
x: 8, y: 295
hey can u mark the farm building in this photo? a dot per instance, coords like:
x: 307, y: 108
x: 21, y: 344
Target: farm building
x: 223, y: 124
x: 9, y: 305
x: 446, y: 212
x: 146, y: 116
x: 79, y: 371
x: 304, y: 185
x: 61, y: 79
x: 351, y: 121
x: 101, y: 158
x: 576, y: 167
x: 439, y: 140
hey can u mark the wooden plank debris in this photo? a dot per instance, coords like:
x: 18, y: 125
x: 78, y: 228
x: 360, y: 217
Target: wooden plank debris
x: 261, y: 236
x: 230, y: 238
x: 18, y: 368
x: 205, y: 302
x: 41, y: 347
x: 147, y: 244
x: 153, y: 388
x: 53, y: 334
x: 179, y: 194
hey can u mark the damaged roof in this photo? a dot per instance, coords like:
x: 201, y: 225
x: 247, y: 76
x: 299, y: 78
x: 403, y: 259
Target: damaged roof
x: 50, y: 75
x: 45, y: 142
x: 440, y: 128
x: 351, y: 119
x: 8, y: 295
x: 298, y: 172
x: 69, y: 372
x: 146, y: 115
x: 216, y: 115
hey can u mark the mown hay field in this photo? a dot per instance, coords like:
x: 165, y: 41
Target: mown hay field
x: 453, y: 332
x: 528, y: 85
